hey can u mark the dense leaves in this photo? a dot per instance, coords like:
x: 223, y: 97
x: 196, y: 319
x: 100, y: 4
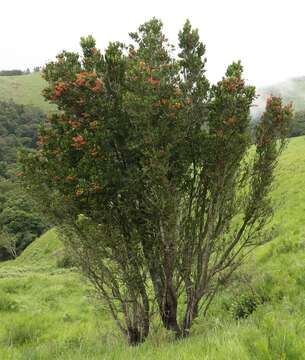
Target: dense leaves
x: 298, y: 128
x: 148, y: 172
x: 18, y: 127
x: 18, y: 218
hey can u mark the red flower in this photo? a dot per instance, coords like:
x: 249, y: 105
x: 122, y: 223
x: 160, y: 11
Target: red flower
x: 98, y: 86
x: 153, y: 81
x: 59, y: 88
x: 78, y: 141
x: 81, y: 79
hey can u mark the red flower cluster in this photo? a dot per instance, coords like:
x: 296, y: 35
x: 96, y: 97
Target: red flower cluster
x: 59, y: 88
x: 97, y: 86
x: 78, y: 141
x: 81, y: 79
x: 234, y: 83
x: 152, y: 81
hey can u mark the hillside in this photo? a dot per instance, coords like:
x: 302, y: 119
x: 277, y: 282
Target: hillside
x: 24, y: 89
x: 42, y: 254
x: 46, y: 312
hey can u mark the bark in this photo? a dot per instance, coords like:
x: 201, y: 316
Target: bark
x: 168, y: 312
x: 190, y: 314
x: 138, y: 331
x: 135, y: 336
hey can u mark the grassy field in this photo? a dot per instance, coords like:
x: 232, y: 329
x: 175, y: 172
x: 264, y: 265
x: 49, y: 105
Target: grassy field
x: 48, y: 312
x: 24, y: 89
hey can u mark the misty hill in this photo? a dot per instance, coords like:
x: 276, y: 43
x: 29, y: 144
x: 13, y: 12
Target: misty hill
x: 291, y: 90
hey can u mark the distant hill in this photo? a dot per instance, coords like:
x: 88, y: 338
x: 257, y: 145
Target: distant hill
x: 291, y: 90
x: 24, y: 89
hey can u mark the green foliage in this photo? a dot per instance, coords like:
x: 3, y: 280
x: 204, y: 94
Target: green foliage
x: 298, y: 127
x: 18, y: 218
x: 18, y: 128
x: 78, y: 327
x: 245, y: 305
x: 24, y: 330
x: 65, y: 261
x: 147, y: 170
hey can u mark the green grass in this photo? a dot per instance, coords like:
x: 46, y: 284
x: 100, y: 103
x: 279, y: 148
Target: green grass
x: 24, y: 89
x: 47, y: 312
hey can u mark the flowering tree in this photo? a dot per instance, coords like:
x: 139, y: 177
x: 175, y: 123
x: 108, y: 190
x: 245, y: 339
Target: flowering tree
x: 149, y: 173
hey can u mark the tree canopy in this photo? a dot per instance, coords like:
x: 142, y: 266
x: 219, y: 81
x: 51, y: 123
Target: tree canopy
x: 150, y: 173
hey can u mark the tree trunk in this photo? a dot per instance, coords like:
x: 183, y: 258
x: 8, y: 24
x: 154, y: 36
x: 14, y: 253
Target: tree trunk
x: 134, y: 336
x: 168, y: 312
x: 138, y: 334
x: 190, y: 314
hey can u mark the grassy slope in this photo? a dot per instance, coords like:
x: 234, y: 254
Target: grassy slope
x: 46, y: 313
x: 24, y: 89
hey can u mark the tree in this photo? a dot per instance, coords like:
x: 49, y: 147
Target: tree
x: 18, y: 127
x: 14, y: 72
x: 8, y: 242
x: 18, y: 218
x: 298, y: 128
x: 149, y: 172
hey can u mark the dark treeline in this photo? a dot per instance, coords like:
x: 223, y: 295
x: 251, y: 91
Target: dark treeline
x: 17, y: 72
x: 18, y: 128
x: 298, y: 127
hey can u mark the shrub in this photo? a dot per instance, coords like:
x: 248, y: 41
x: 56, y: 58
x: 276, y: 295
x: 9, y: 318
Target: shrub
x: 65, y: 261
x: 245, y: 305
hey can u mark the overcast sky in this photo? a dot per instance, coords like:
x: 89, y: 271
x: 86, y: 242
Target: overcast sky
x: 268, y: 36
